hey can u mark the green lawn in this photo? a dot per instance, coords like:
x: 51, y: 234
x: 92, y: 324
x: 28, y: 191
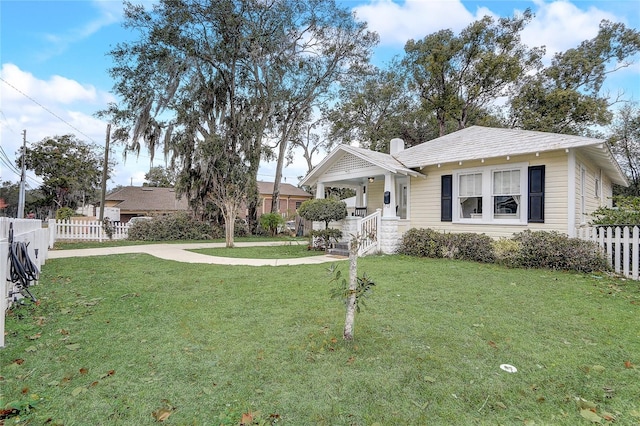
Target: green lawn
x: 74, y: 245
x: 119, y: 338
x: 278, y: 252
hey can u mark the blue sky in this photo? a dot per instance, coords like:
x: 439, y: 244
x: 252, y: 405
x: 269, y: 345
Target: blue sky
x: 54, y: 63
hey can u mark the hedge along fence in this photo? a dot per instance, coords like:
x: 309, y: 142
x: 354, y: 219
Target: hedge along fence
x: 621, y: 245
x: 528, y: 249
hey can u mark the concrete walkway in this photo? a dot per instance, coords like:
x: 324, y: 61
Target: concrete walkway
x: 180, y: 253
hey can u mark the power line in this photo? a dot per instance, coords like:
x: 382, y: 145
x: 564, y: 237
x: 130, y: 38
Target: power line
x: 48, y: 110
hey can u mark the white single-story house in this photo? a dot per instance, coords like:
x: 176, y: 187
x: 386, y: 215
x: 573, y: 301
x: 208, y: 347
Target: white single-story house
x: 479, y: 179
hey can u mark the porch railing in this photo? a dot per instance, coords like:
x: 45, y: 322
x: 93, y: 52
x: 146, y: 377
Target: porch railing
x: 360, y: 211
x: 369, y: 230
x: 621, y: 245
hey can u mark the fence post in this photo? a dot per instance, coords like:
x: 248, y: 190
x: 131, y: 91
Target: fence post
x: 4, y: 272
x: 625, y: 251
x: 52, y: 232
x: 634, y: 253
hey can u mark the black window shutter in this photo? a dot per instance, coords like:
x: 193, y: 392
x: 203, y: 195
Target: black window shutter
x: 446, y: 198
x: 536, y: 194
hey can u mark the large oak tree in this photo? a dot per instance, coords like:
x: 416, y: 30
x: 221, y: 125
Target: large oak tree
x: 218, y: 77
x: 567, y: 96
x: 456, y: 76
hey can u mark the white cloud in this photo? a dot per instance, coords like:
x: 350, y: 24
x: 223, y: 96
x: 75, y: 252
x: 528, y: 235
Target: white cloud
x: 561, y: 25
x: 43, y: 108
x: 109, y: 13
x: 414, y: 19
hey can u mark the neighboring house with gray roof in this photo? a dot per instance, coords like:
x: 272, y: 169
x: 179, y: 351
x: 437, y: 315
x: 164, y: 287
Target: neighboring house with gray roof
x: 145, y: 201
x: 479, y: 179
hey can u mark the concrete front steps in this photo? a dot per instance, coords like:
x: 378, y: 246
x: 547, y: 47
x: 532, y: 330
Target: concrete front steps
x: 339, y: 249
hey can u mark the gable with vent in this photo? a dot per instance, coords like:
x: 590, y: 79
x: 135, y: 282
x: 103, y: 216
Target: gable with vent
x: 350, y: 165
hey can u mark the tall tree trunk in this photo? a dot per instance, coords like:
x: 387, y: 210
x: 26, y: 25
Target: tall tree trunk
x: 275, y: 198
x: 229, y: 212
x: 353, y: 285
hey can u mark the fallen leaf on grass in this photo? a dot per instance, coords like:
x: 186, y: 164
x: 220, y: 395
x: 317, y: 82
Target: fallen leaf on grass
x: 18, y: 361
x: 420, y: 406
x: 493, y: 344
x: 247, y: 418
x: 590, y: 415
x: 73, y: 346
x: 84, y: 371
x: 583, y: 404
x: 429, y: 379
x: 35, y: 336
x: 31, y: 349
x: 63, y: 332
x: 608, y: 417
x: 108, y: 374
x: 627, y: 364
x: 77, y: 391
x: 162, y: 414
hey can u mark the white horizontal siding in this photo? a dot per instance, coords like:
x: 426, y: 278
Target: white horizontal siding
x: 425, y: 197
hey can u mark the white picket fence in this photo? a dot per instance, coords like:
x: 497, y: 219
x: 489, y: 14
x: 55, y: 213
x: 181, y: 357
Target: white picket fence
x: 29, y: 231
x: 84, y: 230
x: 620, y: 243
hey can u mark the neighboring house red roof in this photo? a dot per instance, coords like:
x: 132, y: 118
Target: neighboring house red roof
x: 286, y: 189
x: 147, y: 198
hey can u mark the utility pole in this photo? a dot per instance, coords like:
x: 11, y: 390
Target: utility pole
x: 105, y: 168
x: 23, y: 175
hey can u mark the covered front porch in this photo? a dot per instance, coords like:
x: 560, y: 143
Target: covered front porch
x: 382, y: 189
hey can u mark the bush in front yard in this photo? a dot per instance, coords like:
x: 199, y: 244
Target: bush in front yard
x: 506, y: 252
x: 178, y: 226
x: 422, y: 243
x: 470, y: 246
x: 434, y: 244
x: 552, y: 250
x: 538, y: 249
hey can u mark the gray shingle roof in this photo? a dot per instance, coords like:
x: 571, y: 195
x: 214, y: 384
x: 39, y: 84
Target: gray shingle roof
x: 147, y: 198
x: 286, y: 189
x: 476, y: 142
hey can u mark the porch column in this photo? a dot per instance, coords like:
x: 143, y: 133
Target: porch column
x: 359, y: 198
x: 389, y: 210
x: 320, y: 190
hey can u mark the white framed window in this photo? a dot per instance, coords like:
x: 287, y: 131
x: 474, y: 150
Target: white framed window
x: 470, y: 195
x: 491, y: 194
x: 506, y: 194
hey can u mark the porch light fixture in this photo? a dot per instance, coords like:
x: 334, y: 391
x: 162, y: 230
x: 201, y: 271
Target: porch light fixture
x: 371, y: 179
